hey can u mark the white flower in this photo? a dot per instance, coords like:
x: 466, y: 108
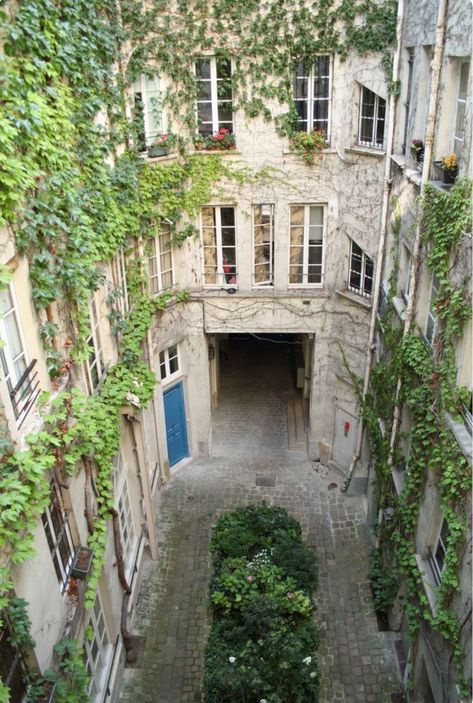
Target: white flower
x: 307, y: 660
x: 232, y: 660
x: 312, y: 675
x: 263, y: 700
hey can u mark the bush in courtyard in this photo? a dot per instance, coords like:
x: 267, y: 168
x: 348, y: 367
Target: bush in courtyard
x: 263, y: 638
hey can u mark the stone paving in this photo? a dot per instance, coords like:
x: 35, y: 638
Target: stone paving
x: 250, y: 463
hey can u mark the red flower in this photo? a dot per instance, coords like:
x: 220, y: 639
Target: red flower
x: 219, y: 137
x: 223, y: 130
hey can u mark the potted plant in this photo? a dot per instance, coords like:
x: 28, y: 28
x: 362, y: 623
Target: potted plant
x: 450, y: 168
x: 417, y: 150
x: 162, y: 145
x: 222, y: 140
x: 308, y: 144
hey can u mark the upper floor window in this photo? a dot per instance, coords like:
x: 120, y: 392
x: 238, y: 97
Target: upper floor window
x: 372, y: 119
x: 219, y: 246
x: 361, y: 271
x: 263, y: 237
x: 405, y: 272
x: 160, y: 269
x: 168, y: 362
x: 312, y: 94
x: 408, y: 94
x: 58, y: 534
x: 148, y: 110
x: 20, y: 376
x: 120, y: 292
x: 97, y: 652
x: 432, y: 320
x: 438, y: 551
x: 214, y: 97
x: 94, y: 365
x: 123, y: 505
x: 459, y: 134
x: 306, y: 245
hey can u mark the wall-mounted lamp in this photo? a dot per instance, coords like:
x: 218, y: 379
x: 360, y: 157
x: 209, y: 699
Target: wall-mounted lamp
x: 211, y: 352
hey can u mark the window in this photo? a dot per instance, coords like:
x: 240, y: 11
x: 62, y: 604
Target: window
x: 312, y: 94
x: 263, y: 237
x: 94, y: 365
x: 219, y: 246
x: 361, y: 271
x: 120, y: 292
x: 306, y: 244
x: 214, y: 98
x: 168, y: 362
x: 438, y: 551
x: 123, y: 506
x: 148, y: 113
x: 406, y: 273
x: 459, y: 134
x: 58, y: 535
x: 20, y: 377
x: 431, y: 325
x: 97, y: 652
x: 407, y: 103
x: 160, y: 267
x: 372, y: 116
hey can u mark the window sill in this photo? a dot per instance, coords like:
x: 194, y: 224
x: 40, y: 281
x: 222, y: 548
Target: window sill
x: 400, y: 308
x: 223, y: 152
x: 462, y: 436
x: 293, y: 152
x: 360, y: 300
x: 428, y: 582
x: 268, y: 292
x: 366, y: 151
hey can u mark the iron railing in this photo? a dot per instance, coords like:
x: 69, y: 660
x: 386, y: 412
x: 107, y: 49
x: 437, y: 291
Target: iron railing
x: 25, y: 393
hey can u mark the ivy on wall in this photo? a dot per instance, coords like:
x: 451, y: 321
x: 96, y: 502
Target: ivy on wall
x: 429, y: 391
x: 264, y: 40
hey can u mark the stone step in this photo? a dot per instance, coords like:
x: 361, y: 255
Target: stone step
x: 296, y: 428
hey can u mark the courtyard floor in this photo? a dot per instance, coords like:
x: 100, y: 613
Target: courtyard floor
x: 250, y: 463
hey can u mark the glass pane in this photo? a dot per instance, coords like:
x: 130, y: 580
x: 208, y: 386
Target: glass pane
x: 202, y: 68
x: 167, y: 279
x: 173, y: 365
x: 315, y: 256
x: 301, y: 88
x: 368, y: 103
x: 224, y: 68
x: 295, y: 274
x: 6, y: 302
x: 316, y: 216
x: 225, y: 114
x: 297, y: 215
x: 12, y: 335
x: 228, y: 237
x: 463, y: 88
x: 227, y: 215
x: 297, y: 235
x: 204, y: 112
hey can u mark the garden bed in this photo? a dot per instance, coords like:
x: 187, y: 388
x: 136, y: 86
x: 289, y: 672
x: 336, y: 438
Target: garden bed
x: 263, y: 638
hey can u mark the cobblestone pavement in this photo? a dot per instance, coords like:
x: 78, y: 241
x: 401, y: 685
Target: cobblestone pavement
x: 250, y: 463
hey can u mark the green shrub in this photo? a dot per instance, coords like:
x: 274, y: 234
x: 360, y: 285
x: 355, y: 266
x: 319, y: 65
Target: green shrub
x: 263, y: 637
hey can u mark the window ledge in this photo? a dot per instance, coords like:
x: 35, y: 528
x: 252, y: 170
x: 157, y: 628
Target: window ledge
x: 293, y: 152
x: 400, y: 307
x: 153, y: 159
x: 399, y: 160
x: 366, y: 150
x: 428, y: 582
x: 223, y: 152
x: 260, y: 293
x: 441, y: 186
x: 462, y: 436
x: 354, y: 298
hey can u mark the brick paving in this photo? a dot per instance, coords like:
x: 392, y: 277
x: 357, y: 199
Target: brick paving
x: 250, y: 463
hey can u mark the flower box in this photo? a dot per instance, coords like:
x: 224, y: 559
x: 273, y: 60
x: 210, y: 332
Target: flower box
x: 82, y: 562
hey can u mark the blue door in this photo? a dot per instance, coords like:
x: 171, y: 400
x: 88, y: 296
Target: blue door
x: 176, y: 431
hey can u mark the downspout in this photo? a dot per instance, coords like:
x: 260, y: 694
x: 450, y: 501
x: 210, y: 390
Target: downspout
x: 429, y: 140
x: 382, y: 240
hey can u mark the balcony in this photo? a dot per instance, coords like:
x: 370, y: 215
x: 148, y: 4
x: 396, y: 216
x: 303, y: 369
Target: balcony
x: 23, y: 396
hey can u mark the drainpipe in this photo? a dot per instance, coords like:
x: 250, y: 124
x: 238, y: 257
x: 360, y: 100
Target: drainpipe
x: 382, y: 241
x: 429, y: 140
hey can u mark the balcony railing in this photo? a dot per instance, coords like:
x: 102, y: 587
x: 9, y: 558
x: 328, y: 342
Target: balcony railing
x: 358, y: 291
x: 24, y: 394
x: 467, y: 419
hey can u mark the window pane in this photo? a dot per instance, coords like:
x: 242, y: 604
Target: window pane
x: 295, y: 274
x: 204, y: 111
x: 202, y: 68
x: 227, y: 215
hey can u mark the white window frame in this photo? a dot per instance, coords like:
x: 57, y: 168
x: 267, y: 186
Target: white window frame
x: 141, y: 87
x: 125, y: 514
x: 121, y: 299
x: 214, y: 100
x: 305, y: 260
x: 439, y: 547
x: 312, y: 99
x: 372, y: 144
x: 166, y: 356
x: 29, y: 390
x: 220, y: 273
x: 432, y: 318
x: 461, y: 103
x: 98, y: 652
x: 363, y: 275
x: 269, y: 281
x: 94, y: 342
x: 54, y: 537
x: 407, y: 270
x: 156, y: 257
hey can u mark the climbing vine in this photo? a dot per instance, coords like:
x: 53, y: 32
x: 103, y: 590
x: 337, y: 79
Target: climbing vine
x: 429, y: 391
